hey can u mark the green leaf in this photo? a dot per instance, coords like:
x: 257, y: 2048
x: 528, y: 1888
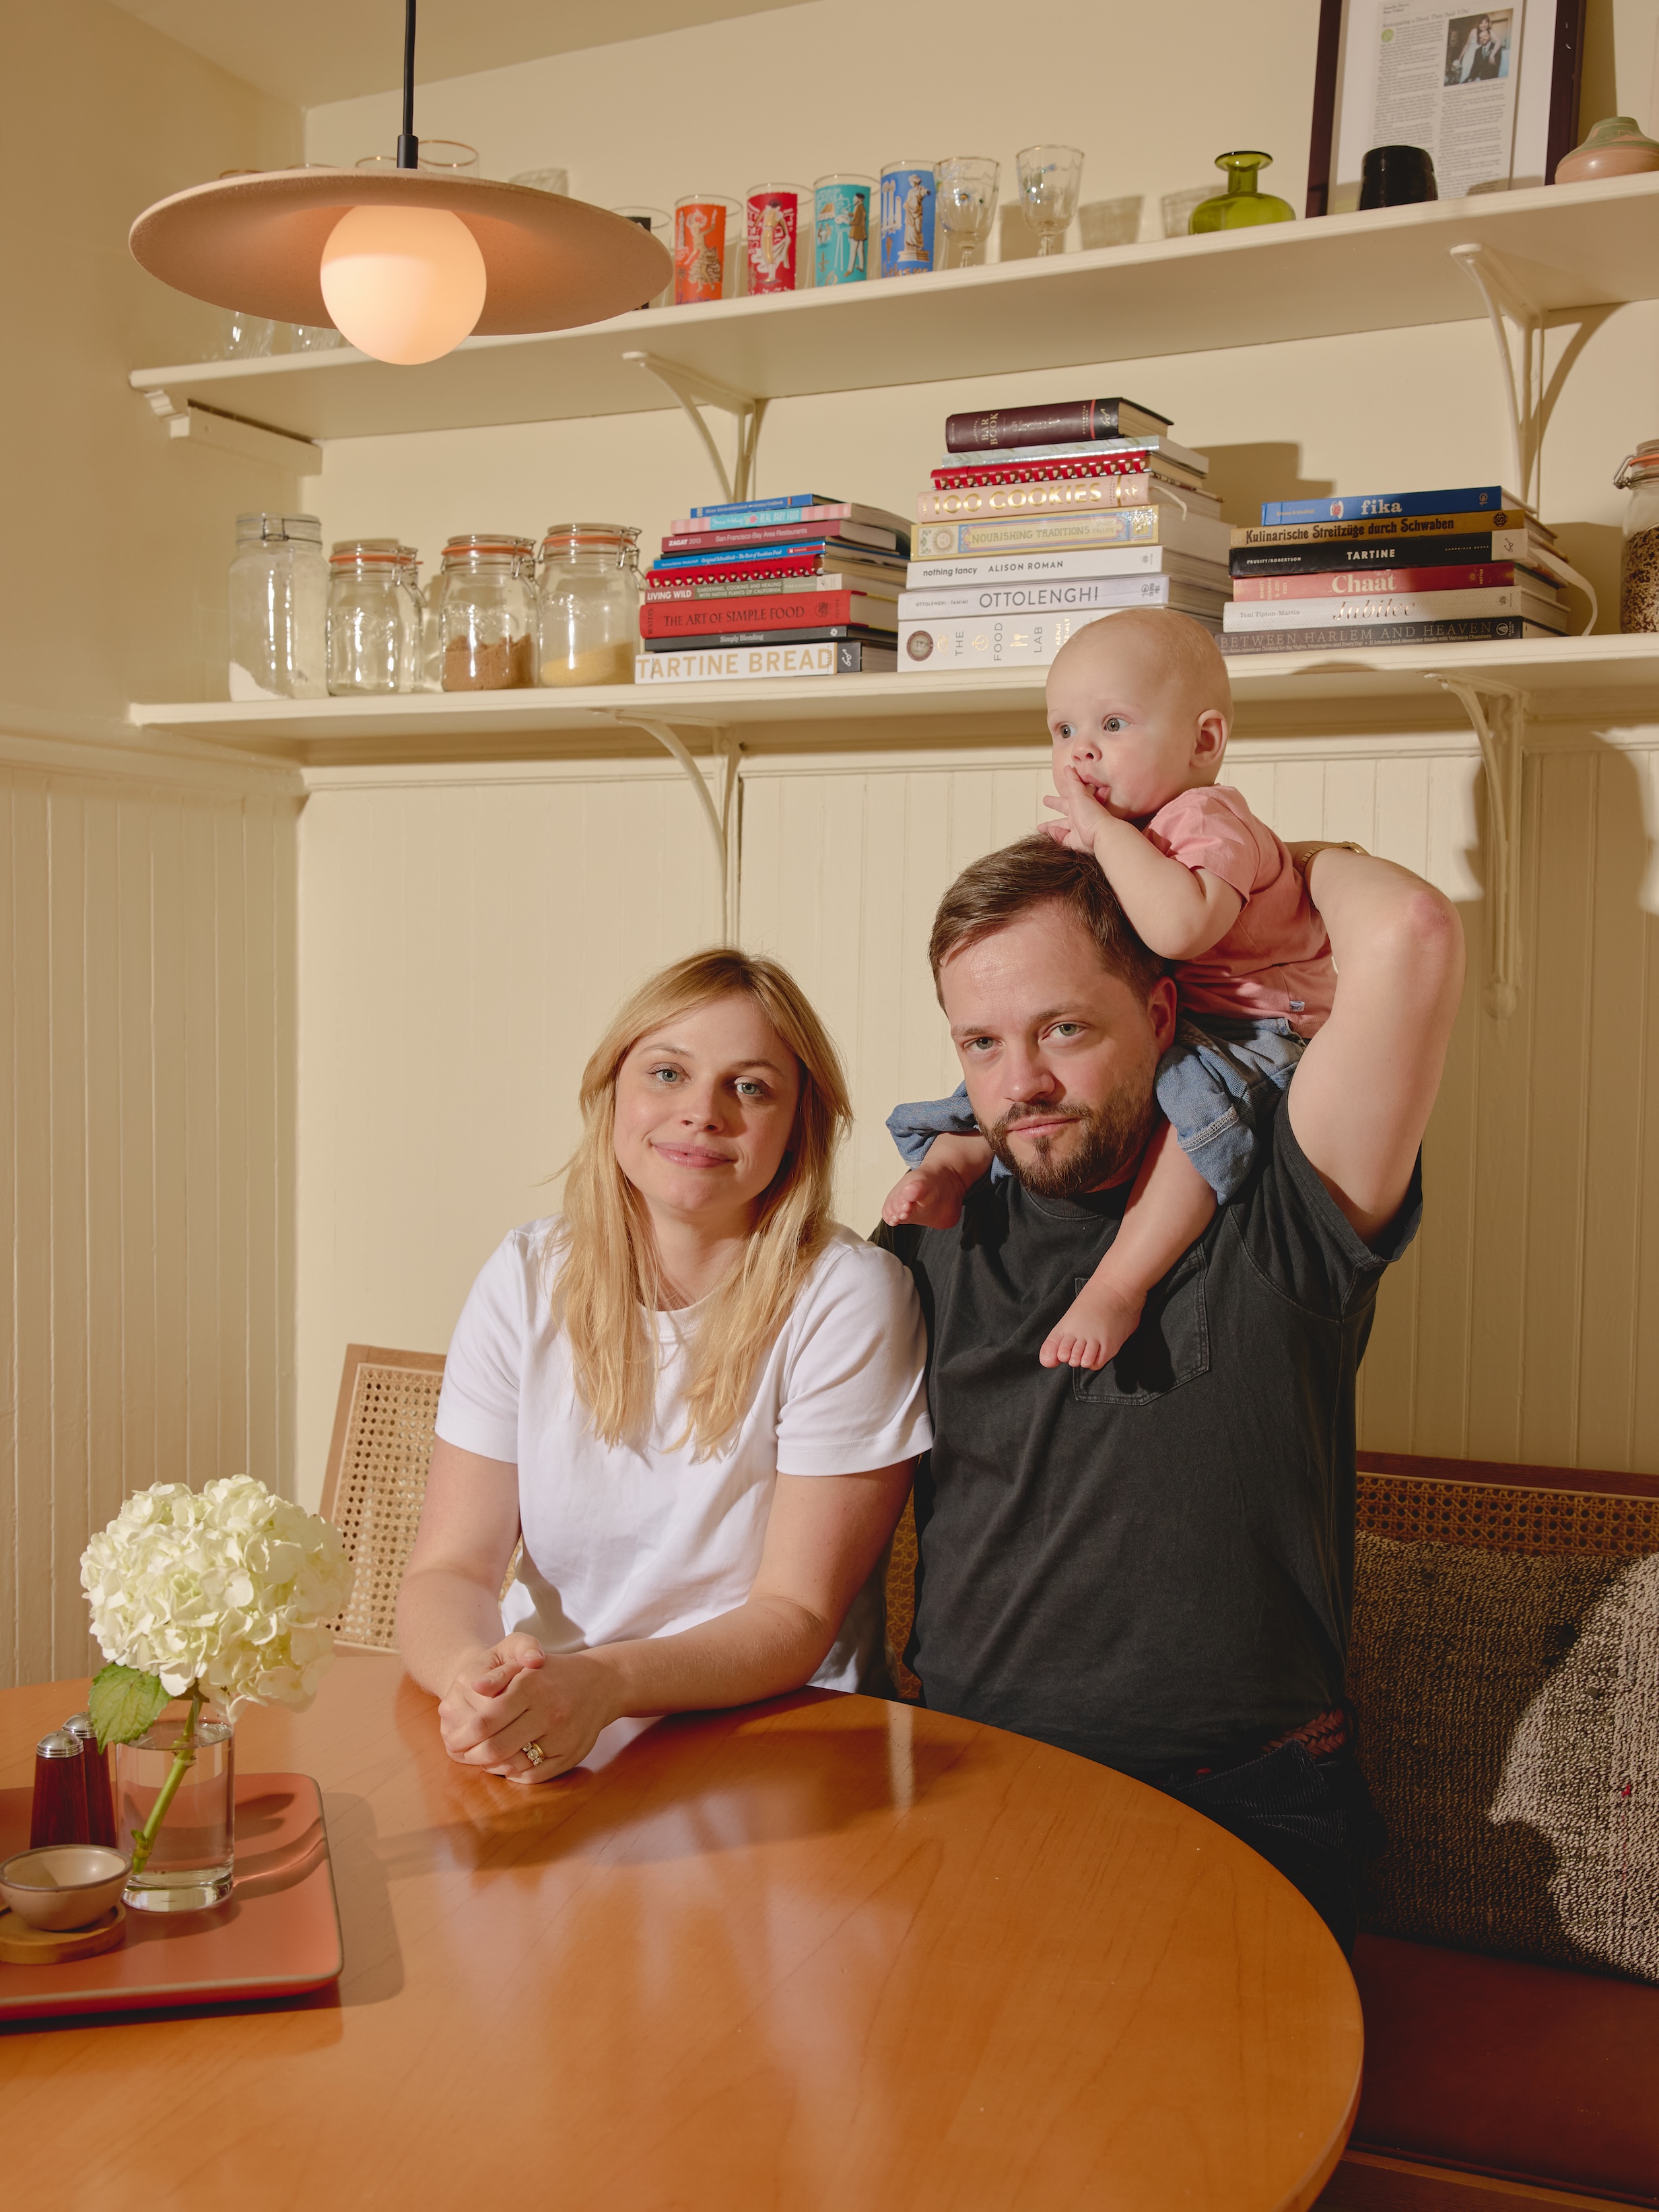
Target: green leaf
x: 124, y: 1702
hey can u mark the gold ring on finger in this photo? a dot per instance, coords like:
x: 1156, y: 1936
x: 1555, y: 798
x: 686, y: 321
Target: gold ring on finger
x: 534, y: 1753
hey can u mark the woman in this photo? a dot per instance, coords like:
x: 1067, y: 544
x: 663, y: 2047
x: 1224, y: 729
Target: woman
x: 697, y: 1398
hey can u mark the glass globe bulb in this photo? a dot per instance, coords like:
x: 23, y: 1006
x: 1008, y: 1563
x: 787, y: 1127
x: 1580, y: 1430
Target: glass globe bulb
x: 404, y: 284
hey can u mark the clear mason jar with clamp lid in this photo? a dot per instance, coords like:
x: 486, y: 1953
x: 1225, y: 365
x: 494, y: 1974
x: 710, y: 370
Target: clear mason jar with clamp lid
x: 487, y: 617
x: 279, y: 609
x: 588, y: 603
x: 372, y: 625
x: 1639, y: 571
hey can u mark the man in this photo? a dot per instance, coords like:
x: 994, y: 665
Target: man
x: 1151, y: 1565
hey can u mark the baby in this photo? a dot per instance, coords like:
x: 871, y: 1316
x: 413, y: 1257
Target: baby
x: 1139, y: 708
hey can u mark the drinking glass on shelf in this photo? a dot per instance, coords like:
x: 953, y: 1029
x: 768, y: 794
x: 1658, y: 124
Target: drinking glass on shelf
x: 840, y: 229
x: 312, y: 337
x: 244, y: 336
x: 1051, y: 177
x: 544, y: 181
x: 966, y: 187
x: 708, y: 247
x: 779, y: 237
x: 445, y: 157
x: 660, y: 225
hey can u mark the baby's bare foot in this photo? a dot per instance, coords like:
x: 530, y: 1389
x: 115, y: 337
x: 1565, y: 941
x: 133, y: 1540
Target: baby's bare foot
x: 1095, y: 1327
x: 926, y: 1198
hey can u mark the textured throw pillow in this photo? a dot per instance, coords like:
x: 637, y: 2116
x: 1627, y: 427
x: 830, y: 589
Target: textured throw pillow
x: 1509, y: 1728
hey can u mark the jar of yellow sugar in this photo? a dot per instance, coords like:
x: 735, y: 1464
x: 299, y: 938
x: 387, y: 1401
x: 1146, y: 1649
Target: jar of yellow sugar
x: 587, y: 596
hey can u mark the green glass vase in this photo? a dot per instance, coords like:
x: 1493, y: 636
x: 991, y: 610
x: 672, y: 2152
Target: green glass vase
x: 1242, y: 202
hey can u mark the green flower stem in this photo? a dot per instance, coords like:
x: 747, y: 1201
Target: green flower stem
x: 184, y: 1758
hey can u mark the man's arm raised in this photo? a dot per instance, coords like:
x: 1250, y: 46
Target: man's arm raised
x: 1363, y: 1093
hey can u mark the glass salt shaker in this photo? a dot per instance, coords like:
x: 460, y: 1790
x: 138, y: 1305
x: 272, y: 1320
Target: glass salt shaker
x: 370, y: 648
x: 278, y: 609
x: 487, y: 620
x: 1638, y: 567
x: 588, y: 601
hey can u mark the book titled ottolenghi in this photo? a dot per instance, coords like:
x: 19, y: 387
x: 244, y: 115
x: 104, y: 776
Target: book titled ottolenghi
x: 1364, y: 507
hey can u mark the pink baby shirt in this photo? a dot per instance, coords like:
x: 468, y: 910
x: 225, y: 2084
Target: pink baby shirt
x: 1276, y: 958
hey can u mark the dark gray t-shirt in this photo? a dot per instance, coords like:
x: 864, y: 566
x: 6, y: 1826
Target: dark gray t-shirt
x: 1151, y: 1565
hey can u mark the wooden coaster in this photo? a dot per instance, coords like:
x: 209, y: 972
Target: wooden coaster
x: 24, y: 1946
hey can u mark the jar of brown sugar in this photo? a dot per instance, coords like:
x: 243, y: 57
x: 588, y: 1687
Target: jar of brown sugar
x: 1638, y: 573
x: 588, y: 600
x: 488, y: 613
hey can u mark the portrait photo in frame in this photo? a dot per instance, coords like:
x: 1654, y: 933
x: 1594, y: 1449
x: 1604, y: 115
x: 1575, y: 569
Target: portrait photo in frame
x: 1490, y: 93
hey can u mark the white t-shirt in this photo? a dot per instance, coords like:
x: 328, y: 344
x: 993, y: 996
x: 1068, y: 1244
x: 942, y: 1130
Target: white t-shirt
x: 620, y: 1542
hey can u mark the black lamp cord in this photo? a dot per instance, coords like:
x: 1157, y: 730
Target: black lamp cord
x: 408, y: 146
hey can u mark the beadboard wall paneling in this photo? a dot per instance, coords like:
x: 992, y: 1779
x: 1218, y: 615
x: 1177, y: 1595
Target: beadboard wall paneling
x: 1515, y: 1327
x: 146, y: 1129
x: 466, y: 935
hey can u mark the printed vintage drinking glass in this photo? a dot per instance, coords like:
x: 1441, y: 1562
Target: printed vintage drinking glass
x: 1243, y: 202
x: 908, y: 198
x: 966, y: 187
x: 707, y: 250
x: 841, y: 228
x: 1051, y: 177
x: 778, y: 239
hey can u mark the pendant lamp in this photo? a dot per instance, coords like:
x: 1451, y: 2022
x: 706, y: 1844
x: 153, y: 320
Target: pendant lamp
x: 403, y: 262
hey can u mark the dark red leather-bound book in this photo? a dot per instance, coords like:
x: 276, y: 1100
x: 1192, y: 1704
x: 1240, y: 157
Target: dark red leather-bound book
x: 1060, y: 424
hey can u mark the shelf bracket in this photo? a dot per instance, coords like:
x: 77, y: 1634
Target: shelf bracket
x: 693, y: 390
x: 235, y: 433
x: 721, y: 814
x: 1497, y: 715
x: 1509, y: 306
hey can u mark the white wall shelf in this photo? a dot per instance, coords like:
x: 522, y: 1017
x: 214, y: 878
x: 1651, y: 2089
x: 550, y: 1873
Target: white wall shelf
x: 1613, y: 676
x: 1562, y: 248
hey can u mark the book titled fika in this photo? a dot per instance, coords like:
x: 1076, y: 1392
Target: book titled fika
x: 1378, y: 506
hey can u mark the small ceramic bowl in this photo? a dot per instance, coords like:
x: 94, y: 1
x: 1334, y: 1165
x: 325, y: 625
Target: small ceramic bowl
x: 63, y: 1885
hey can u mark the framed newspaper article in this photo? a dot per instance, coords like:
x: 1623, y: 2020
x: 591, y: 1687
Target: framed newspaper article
x: 1490, y: 93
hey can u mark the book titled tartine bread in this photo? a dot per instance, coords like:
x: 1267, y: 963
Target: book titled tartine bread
x: 1067, y: 421
x: 751, y: 664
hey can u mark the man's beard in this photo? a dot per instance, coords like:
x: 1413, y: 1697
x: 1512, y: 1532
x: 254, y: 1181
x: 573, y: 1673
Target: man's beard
x: 1113, y: 1136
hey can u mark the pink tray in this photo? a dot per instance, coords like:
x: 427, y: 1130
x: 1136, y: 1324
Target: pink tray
x: 276, y: 1935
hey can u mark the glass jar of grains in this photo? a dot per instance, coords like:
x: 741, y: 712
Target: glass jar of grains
x: 373, y: 629
x: 487, y: 619
x: 278, y: 609
x: 1638, y: 573
x: 588, y: 603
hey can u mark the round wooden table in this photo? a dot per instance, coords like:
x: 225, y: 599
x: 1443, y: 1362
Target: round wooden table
x: 825, y: 1952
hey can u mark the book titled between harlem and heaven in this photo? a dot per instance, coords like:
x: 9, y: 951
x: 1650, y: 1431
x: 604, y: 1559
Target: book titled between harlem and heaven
x: 1484, y: 628
x: 1175, y: 525
x: 1374, y: 506
x: 752, y: 664
x: 1061, y: 421
x: 1394, y: 607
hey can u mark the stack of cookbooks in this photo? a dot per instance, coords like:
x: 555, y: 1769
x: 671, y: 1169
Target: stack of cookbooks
x: 1415, y: 568
x: 1042, y: 519
x: 803, y: 585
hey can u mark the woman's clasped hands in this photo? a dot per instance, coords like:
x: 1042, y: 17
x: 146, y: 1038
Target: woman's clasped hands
x: 514, y: 1696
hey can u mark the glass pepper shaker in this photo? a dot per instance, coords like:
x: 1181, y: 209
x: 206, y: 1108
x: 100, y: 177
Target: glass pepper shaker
x: 59, y: 1812
x: 100, y: 1803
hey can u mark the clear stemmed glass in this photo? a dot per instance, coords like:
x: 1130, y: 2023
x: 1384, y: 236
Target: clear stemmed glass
x: 1051, y: 177
x: 966, y: 189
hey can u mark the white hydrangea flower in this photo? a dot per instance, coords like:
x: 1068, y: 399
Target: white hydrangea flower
x: 225, y: 1586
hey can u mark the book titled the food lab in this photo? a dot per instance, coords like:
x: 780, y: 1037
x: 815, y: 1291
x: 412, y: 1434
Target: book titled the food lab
x: 1025, y: 641
x: 746, y: 664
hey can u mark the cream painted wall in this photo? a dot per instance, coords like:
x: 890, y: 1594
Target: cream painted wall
x: 1514, y: 1329
x: 147, y: 917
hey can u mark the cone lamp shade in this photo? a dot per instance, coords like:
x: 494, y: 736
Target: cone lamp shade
x: 403, y: 262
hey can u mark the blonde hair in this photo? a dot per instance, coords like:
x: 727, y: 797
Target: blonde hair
x: 1190, y: 655
x: 601, y: 1269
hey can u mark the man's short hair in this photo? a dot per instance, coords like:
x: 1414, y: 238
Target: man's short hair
x: 993, y: 893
